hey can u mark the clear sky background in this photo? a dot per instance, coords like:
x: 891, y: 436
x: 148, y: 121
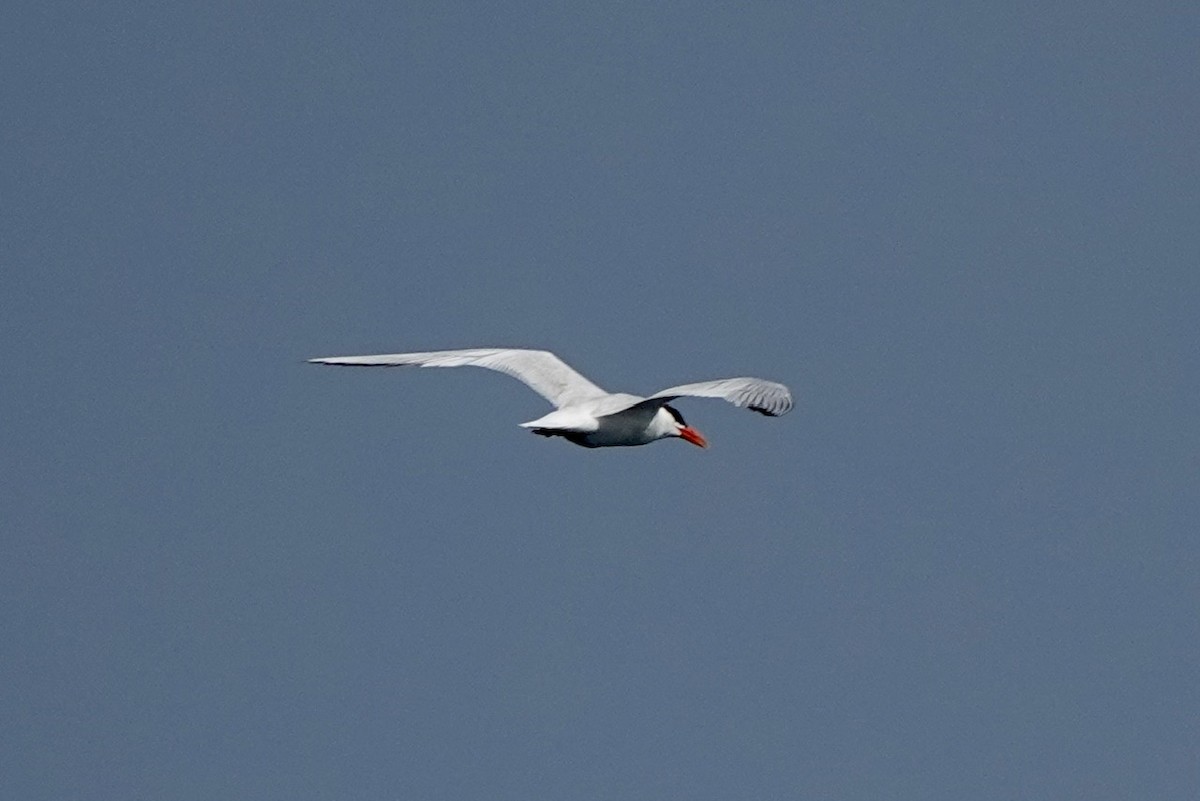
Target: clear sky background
x: 966, y: 567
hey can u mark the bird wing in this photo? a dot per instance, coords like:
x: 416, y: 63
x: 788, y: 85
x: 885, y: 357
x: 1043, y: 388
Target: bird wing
x: 764, y: 397
x: 540, y: 370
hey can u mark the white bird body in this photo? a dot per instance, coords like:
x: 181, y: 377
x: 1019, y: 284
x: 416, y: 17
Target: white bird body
x: 628, y: 425
x: 587, y: 415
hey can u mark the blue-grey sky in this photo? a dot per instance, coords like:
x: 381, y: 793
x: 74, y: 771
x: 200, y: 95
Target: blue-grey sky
x: 966, y: 567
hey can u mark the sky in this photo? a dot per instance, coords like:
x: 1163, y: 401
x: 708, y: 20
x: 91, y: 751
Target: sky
x: 967, y: 236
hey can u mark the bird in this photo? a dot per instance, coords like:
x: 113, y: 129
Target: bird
x: 584, y: 413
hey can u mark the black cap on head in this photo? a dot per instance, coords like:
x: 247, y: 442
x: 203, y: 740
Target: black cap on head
x: 675, y: 413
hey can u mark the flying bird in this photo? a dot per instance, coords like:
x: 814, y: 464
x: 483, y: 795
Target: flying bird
x: 585, y: 414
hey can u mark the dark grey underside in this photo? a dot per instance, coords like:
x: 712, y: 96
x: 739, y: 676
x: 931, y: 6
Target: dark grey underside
x: 578, y: 439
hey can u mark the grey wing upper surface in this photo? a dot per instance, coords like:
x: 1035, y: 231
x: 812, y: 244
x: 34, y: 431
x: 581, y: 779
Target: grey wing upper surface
x: 757, y: 394
x: 540, y: 370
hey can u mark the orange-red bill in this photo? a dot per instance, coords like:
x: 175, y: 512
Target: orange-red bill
x: 693, y: 436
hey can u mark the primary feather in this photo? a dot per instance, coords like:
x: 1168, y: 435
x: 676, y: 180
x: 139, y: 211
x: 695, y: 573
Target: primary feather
x: 764, y: 397
x: 540, y: 370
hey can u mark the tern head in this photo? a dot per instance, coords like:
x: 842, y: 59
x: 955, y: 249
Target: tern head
x: 678, y: 427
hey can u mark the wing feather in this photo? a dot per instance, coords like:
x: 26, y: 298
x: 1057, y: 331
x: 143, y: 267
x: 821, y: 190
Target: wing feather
x: 540, y: 370
x: 759, y: 395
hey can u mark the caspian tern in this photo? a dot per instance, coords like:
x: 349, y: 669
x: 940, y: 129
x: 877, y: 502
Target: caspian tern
x: 585, y: 414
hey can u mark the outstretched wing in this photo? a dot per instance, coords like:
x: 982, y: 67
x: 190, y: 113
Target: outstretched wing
x: 540, y: 370
x: 764, y: 397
